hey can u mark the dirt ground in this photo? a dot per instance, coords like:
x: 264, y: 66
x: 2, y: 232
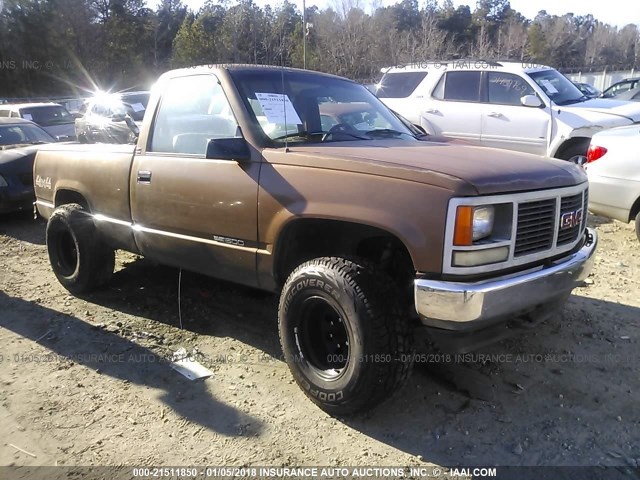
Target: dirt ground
x: 85, y: 381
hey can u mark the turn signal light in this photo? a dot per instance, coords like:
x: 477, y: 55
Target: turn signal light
x: 463, y: 233
x: 595, y: 152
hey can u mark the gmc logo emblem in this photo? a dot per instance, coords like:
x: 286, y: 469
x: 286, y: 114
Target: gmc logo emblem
x: 571, y: 219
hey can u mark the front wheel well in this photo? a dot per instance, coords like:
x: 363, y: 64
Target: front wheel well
x: 580, y: 144
x: 306, y: 239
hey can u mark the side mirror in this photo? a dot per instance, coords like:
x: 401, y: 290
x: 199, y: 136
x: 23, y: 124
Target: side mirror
x: 228, y: 149
x: 531, y: 101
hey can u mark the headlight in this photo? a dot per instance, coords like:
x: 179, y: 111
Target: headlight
x: 483, y: 222
x: 3, y: 182
x: 473, y: 223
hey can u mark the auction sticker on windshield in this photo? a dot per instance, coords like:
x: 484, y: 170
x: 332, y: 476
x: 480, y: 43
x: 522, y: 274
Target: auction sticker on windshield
x: 137, y: 107
x: 278, y: 108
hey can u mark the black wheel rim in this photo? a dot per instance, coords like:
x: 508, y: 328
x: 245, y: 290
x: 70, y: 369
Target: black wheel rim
x: 67, y: 254
x: 322, y: 338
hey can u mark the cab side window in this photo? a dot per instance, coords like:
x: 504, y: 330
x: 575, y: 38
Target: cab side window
x: 507, y: 89
x: 193, y: 110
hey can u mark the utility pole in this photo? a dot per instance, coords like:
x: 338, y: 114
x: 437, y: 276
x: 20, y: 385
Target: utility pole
x: 304, y: 34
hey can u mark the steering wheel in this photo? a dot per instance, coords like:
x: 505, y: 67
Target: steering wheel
x: 338, y: 128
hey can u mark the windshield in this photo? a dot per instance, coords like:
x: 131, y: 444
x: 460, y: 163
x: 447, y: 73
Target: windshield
x: 23, y: 134
x: 314, y: 108
x: 557, y: 87
x: 47, y: 115
x: 136, y: 104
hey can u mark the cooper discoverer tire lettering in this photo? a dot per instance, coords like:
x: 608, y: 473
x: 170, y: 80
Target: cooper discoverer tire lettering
x: 78, y: 257
x: 344, y: 334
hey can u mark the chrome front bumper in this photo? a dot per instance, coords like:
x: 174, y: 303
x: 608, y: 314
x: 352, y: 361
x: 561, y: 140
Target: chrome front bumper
x: 466, y: 306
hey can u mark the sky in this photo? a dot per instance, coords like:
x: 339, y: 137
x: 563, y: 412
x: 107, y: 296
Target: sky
x: 614, y: 12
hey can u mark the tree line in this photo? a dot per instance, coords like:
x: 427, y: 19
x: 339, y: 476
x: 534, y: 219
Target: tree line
x: 69, y: 47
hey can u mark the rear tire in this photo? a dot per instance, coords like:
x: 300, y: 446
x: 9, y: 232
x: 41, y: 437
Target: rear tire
x: 78, y: 257
x: 638, y: 226
x: 344, y: 334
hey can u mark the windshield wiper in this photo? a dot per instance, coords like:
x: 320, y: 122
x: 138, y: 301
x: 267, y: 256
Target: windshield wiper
x: 387, y: 131
x: 581, y: 99
x: 303, y: 133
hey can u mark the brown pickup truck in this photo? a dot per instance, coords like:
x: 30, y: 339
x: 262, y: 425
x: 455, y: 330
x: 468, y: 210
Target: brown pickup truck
x: 306, y: 184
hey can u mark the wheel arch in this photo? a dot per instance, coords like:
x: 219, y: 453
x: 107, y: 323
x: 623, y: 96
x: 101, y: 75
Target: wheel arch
x: 305, y: 238
x: 65, y: 196
x: 635, y: 209
x: 570, y: 143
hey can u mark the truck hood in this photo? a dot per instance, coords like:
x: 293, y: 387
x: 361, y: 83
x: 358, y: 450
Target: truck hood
x: 464, y: 169
x: 603, y: 109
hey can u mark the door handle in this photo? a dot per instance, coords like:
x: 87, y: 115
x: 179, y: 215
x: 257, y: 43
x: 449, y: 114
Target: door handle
x: 495, y: 114
x: 431, y: 110
x: 144, y: 176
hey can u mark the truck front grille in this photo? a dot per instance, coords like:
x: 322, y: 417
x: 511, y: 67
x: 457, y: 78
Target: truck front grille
x: 542, y: 226
x: 568, y: 206
x: 536, y: 224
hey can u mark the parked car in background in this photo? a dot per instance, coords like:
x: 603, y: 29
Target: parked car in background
x: 613, y: 169
x: 75, y: 106
x: 52, y: 117
x: 632, y: 95
x: 621, y: 87
x: 588, y: 90
x: 112, y: 118
x: 17, y: 151
x: 529, y: 108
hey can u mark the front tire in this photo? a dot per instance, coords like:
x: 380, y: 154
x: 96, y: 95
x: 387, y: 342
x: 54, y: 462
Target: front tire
x: 344, y: 335
x: 576, y: 154
x: 78, y: 257
x: 638, y: 226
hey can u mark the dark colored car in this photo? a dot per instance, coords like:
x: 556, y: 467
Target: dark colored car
x: 621, y: 87
x: 17, y: 151
x: 588, y: 90
x: 52, y: 117
x: 113, y: 118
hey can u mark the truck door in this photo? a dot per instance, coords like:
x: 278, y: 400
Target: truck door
x: 187, y: 210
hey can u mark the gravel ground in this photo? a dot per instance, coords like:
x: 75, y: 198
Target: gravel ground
x: 85, y: 381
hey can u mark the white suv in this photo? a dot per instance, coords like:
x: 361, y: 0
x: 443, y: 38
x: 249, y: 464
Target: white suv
x: 517, y: 106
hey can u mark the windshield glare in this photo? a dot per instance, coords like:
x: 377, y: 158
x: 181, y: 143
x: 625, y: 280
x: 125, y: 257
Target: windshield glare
x: 314, y: 105
x: 557, y: 87
x: 22, y: 134
x: 49, y: 115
